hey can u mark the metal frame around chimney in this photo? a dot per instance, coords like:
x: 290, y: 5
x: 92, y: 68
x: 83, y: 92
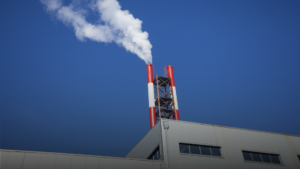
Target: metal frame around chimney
x: 164, y: 103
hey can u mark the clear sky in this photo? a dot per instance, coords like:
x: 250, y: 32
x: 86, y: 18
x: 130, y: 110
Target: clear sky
x: 236, y: 63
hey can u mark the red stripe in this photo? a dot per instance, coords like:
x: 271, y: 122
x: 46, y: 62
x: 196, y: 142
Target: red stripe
x: 177, y: 115
x: 152, y: 116
x: 171, y: 75
x: 150, y: 73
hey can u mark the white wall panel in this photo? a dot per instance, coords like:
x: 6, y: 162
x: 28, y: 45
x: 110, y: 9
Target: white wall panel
x: 15, y: 160
x: 266, y: 142
x: 146, y: 165
x: 194, y: 137
x: 180, y: 134
x: 216, y: 163
x: 157, y: 165
x: 203, y: 162
x: 47, y: 161
x: 296, y: 142
x: 218, y: 135
x: 282, y: 148
x: 248, y: 140
x: 10, y: 160
x: 118, y: 163
x: 182, y: 161
x: 92, y: 163
x: 4, y: 158
x: 260, y: 144
x: 192, y: 162
x: 31, y: 161
x: 199, y: 133
x: 210, y: 136
x: 106, y: 163
x: 77, y: 162
x: 63, y: 162
x: 186, y: 131
x: 132, y: 164
x: 234, y: 145
x: 293, y: 148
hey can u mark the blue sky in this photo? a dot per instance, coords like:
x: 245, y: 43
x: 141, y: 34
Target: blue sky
x: 236, y: 63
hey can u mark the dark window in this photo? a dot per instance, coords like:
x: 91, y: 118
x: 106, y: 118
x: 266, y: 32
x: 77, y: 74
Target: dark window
x: 275, y: 159
x: 215, y: 151
x: 184, y: 148
x: 266, y: 158
x: 195, y: 149
x: 261, y: 157
x: 299, y: 158
x: 155, y: 155
x: 205, y: 150
x: 247, y: 156
x: 256, y: 157
x: 199, y: 149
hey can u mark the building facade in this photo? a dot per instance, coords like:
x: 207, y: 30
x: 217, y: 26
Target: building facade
x: 173, y: 144
x: 194, y: 145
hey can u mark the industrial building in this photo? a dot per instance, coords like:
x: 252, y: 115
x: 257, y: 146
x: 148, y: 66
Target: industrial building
x: 175, y: 144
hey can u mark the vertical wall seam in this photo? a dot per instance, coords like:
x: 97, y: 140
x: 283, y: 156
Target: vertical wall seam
x: 40, y: 161
x: 23, y: 160
x: 292, y: 148
x: 216, y: 136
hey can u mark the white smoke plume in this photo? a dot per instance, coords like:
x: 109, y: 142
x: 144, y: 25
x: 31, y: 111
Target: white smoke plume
x: 115, y: 25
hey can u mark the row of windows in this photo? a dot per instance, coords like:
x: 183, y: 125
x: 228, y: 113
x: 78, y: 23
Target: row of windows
x: 197, y: 149
x: 261, y: 157
x: 155, y: 155
x: 216, y: 151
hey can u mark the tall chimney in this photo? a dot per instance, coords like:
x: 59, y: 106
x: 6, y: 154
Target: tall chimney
x: 171, y: 76
x: 151, y: 95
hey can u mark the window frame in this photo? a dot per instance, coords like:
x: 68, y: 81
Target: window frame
x: 262, y: 162
x: 155, y: 151
x: 203, y: 145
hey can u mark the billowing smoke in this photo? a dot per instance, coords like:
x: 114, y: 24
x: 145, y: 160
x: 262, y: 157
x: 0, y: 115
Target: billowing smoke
x: 115, y: 25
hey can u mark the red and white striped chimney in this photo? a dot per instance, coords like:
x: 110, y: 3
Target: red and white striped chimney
x: 151, y: 95
x: 171, y: 76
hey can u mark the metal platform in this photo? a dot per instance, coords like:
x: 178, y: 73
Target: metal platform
x: 162, y: 81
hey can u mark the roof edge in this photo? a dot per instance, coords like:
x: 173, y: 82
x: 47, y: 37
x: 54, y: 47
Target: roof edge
x: 230, y: 127
x: 84, y: 155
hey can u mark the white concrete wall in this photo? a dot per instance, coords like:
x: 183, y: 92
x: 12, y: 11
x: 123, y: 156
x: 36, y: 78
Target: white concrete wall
x: 13, y: 159
x: 147, y: 144
x: 232, y: 141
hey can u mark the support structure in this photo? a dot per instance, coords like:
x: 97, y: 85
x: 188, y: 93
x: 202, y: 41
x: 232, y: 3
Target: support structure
x: 164, y: 104
x: 162, y: 95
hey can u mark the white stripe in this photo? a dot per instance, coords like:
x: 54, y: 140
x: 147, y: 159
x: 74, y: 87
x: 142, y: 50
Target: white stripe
x: 175, y: 98
x: 151, y: 95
